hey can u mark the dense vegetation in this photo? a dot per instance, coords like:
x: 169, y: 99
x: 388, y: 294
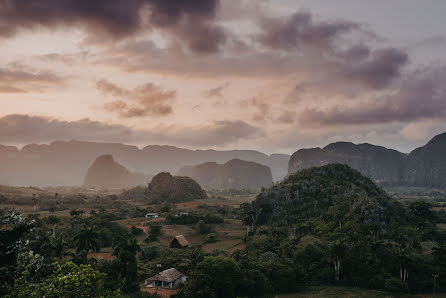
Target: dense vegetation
x: 333, y: 225
x: 322, y: 226
x: 174, y: 189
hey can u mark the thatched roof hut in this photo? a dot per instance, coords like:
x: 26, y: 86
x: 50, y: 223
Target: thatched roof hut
x: 179, y: 242
x: 169, y: 278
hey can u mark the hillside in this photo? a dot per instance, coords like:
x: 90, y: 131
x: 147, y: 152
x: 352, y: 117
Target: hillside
x: 380, y: 164
x: 332, y: 225
x: 423, y: 167
x: 47, y: 165
x: 426, y: 166
x: 235, y: 174
x: 312, y: 192
x: 106, y: 173
x: 165, y: 188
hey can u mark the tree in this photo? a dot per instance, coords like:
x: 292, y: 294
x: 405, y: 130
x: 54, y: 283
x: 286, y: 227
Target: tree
x: 53, y: 220
x: 125, y: 250
x: 155, y: 232
x: 87, y: 240
x: 12, y: 230
x: 68, y: 280
x: 54, y: 247
x: 214, y: 277
x: 202, y: 227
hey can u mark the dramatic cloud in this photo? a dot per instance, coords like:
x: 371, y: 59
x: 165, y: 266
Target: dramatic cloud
x: 326, y: 43
x: 145, y: 100
x: 29, y: 129
x: 191, y: 21
x: 300, y: 30
x: 18, y: 81
x: 378, y: 69
x: 421, y: 95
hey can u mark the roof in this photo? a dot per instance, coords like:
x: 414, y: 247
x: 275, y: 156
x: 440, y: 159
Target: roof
x: 182, y: 240
x: 167, y: 275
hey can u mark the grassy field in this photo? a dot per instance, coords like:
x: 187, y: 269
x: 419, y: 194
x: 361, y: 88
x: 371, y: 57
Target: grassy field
x: 346, y: 292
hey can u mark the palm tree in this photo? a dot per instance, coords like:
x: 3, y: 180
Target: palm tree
x: 55, y: 246
x: 87, y: 240
x: 123, y: 247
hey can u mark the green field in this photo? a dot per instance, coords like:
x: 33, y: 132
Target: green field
x: 348, y: 292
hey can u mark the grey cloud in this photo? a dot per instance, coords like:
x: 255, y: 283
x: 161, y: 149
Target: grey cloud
x: 422, y: 95
x: 299, y: 44
x: 191, y: 21
x: 376, y: 68
x: 28, y: 129
x: 379, y: 69
x: 300, y: 30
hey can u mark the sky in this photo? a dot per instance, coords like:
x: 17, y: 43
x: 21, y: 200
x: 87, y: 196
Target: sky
x: 269, y: 75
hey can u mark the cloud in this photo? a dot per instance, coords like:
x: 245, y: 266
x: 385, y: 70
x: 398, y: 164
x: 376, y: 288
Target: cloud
x: 421, y: 95
x: 287, y: 117
x: 326, y: 43
x: 20, y: 81
x: 190, y: 21
x: 216, y: 92
x: 300, y: 30
x: 218, y: 133
x: 379, y: 69
x: 28, y: 129
x: 329, y: 57
x: 37, y: 129
x: 145, y: 100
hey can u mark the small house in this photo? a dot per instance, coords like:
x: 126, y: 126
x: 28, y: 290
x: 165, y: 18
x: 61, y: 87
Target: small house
x: 179, y: 242
x: 151, y: 215
x: 169, y: 278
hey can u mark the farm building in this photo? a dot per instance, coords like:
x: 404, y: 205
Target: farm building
x: 179, y: 242
x: 152, y: 215
x: 169, y: 278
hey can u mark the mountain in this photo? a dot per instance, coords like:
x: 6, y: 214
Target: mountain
x: 106, y: 173
x: 323, y: 191
x: 63, y: 163
x: 174, y: 189
x: 423, y: 167
x: 235, y: 174
x: 426, y: 166
x: 384, y: 166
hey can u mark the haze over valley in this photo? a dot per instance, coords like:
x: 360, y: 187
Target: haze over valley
x: 222, y: 148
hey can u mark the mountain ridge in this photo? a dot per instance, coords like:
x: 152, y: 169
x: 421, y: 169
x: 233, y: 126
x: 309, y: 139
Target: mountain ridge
x: 424, y: 166
x: 235, y: 174
x: 47, y: 164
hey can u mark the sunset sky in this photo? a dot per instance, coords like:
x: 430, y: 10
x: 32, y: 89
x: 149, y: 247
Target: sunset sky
x: 270, y: 75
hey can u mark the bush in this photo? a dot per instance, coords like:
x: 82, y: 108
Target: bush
x: 136, y: 231
x: 394, y: 284
x: 155, y: 232
x: 202, y: 227
x: 211, y: 238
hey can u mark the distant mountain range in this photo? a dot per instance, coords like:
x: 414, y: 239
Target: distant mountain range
x: 235, y: 174
x: 65, y: 163
x: 423, y: 167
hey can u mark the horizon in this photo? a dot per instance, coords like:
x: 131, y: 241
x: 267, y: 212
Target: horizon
x: 141, y: 147
x: 270, y: 76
